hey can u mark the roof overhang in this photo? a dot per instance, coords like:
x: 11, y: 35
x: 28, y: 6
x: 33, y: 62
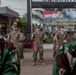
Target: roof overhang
x: 8, y: 12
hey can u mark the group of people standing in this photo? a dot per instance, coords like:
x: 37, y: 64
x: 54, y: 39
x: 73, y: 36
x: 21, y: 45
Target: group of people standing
x: 17, y: 38
x: 64, y: 51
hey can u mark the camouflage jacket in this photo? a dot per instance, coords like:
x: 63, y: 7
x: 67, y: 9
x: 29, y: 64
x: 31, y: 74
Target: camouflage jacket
x: 62, y: 37
x: 14, y: 36
x: 38, y: 37
x: 56, y: 36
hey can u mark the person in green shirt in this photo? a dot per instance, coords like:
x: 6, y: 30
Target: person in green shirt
x: 65, y: 60
x: 9, y: 61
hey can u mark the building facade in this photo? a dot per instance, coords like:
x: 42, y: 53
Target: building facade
x: 5, y: 14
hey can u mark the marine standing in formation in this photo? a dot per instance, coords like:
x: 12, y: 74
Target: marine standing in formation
x: 55, y: 36
x: 58, y: 36
x: 15, y: 36
x: 38, y: 37
x: 63, y: 35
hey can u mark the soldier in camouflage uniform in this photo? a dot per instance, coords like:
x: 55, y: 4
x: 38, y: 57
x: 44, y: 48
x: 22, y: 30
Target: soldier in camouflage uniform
x: 21, y: 46
x: 63, y: 35
x: 55, y: 36
x: 38, y: 45
x: 14, y: 37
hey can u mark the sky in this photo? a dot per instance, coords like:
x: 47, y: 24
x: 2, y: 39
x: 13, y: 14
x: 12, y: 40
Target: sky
x: 19, y: 6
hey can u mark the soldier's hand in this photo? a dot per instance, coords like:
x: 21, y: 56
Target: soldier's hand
x: 45, y: 37
x: 21, y: 39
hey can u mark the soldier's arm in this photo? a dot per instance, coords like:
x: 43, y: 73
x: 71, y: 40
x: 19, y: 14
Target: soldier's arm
x: 44, y: 37
x: 33, y: 36
x: 67, y: 35
x: 9, y: 36
x: 53, y: 34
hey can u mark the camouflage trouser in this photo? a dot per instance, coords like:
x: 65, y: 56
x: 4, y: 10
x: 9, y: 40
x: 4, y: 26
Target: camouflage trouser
x: 37, y: 49
x: 20, y: 51
x: 55, y: 49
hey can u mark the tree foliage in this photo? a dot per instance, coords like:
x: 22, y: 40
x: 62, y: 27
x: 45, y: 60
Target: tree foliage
x: 21, y: 23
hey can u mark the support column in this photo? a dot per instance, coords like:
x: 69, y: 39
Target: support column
x: 29, y: 29
x: 29, y: 14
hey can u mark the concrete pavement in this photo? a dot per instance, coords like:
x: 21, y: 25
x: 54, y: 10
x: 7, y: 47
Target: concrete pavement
x: 27, y: 69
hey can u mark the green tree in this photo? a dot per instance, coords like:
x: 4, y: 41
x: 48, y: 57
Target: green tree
x: 11, y: 21
x: 21, y: 23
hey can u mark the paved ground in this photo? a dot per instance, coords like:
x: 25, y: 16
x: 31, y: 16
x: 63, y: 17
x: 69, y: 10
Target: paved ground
x: 27, y: 69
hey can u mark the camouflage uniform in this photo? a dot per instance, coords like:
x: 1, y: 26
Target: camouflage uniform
x: 14, y: 39
x: 62, y: 37
x: 38, y: 45
x: 21, y: 48
x: 56, y: 38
